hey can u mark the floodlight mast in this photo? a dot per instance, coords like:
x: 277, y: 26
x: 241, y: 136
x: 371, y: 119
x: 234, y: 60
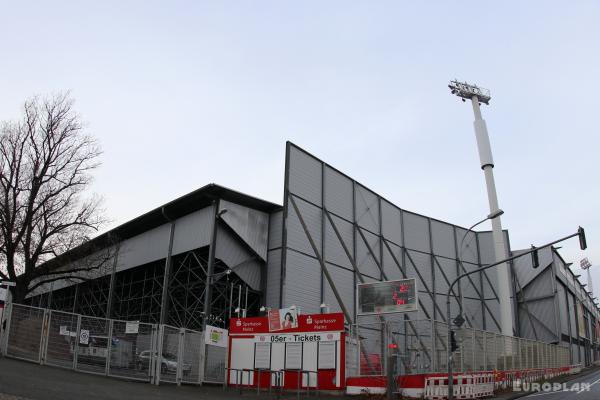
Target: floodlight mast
x: 586, y: 265
x: 477, y: 96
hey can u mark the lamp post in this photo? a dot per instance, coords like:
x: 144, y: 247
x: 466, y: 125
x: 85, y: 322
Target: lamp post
x: 586, y: 265
x: 477, y: 96
x: 460, y: 248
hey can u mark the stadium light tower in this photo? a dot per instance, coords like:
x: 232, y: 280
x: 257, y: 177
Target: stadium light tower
x: 586, y: 264
x: 477, y: 95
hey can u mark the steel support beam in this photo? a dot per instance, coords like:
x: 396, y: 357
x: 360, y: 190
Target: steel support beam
x: 211, y: 261
x: 111, y: 289
x: 321, y: 262
x: 164, y: 304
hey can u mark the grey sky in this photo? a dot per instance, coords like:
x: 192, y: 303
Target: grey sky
x: 181, y: 94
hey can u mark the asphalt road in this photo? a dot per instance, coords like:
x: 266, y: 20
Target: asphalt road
x: 21, y: 380
x: 580, y: 388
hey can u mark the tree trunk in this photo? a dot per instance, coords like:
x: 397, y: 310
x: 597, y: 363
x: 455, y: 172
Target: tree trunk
x: 19, y: 292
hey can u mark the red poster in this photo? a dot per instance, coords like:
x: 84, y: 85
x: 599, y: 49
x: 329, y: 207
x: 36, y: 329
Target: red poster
x: 274, y: 320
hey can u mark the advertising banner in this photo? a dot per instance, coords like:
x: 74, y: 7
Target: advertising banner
x: 215, y: 336
x: 581, y: 320
x: 306, y: 323
x: 284, y: 318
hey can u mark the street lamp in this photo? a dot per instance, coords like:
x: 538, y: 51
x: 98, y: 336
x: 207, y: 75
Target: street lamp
x: 477, y: 96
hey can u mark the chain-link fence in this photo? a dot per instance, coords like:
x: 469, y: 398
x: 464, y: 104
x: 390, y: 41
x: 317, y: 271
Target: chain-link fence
x: 422, y: 347
x: 125, y: 349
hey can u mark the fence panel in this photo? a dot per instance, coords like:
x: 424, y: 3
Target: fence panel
x: 214, y: 367
x: 441, y: 349
x: 192, y: 356
x: 468, y: 350
x: 93, y: 345
x: 490, y: 350
x: 25, y: 332
x: 131, y: 352
x: 371, y: 348
x: 169, y: 354
x: 60, y: 342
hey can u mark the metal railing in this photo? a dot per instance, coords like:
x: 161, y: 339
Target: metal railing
x: 124, y: 349
x: 421, y: 347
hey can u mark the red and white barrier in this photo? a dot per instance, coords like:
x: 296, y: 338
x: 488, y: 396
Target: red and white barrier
x: 466, y: 386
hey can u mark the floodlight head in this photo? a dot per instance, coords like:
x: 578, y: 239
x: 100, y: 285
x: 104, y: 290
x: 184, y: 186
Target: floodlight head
x: 468, y: 91
x: 585, y: 263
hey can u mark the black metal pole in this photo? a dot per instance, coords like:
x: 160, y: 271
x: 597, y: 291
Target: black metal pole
x: 450, y: 377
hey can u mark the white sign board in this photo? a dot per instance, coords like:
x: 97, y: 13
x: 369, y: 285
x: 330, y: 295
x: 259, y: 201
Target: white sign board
x: 216, y: 336
x: 298, y: 337
x: 3, y: 294
x: 84, y: 337
x: 132, y: 327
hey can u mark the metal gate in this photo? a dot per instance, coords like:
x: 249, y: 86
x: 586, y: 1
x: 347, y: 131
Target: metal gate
x: 214, y: 364
x: 124, y: 349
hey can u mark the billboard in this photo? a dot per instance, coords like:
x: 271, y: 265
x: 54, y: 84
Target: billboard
x: 387, y: 297
x: 282, y: 319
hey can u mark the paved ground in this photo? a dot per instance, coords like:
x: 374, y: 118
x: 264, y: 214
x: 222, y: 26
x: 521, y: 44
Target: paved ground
x: 21, y: 380
x: 582, y: 387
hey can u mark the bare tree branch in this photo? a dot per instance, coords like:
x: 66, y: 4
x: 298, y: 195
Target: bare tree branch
x: 46, y: 161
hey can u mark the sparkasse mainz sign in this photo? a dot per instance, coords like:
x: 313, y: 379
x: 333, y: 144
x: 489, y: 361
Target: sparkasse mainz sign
x: 333, y: 322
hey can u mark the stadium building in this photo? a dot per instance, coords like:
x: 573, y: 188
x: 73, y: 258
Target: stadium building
x: 216, y: 253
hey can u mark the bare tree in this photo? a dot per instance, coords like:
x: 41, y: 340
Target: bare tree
x: 46, y: 160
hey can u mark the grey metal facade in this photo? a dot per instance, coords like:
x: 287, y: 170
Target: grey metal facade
x: 332, y: 221
x: 555, y: 307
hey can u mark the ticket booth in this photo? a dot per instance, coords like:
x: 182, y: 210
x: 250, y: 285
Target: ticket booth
x: 310, y: 355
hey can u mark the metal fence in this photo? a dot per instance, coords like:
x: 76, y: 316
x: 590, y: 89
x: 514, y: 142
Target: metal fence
x: 125, y: 349
x: 422, y: 347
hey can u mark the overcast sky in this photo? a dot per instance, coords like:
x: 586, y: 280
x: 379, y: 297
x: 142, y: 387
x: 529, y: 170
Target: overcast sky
x: 181, y: 94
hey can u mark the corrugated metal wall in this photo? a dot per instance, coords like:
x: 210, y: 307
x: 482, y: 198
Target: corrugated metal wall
x: 384, y: 242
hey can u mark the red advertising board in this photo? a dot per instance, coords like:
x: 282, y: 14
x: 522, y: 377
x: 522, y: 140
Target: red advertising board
x: 333, y: 322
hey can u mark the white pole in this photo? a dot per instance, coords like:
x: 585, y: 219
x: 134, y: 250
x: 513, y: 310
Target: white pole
x: 590, y: 281
x: 487, y: 164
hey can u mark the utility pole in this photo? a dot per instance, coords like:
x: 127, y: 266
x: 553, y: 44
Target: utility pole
x: 477, y: 96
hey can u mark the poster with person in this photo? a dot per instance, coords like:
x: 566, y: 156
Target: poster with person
x: 283, y: 319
